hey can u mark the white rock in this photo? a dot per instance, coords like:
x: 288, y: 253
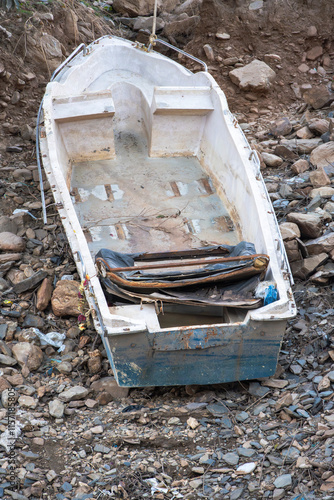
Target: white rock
x: 246, y: 468
x: 209, y: 52
x: 271, y: 160
x: 223, y: 36
x: 324, y: 192
x: 98, y: 429
x: 258, y: 4
x: 192, y: 422
x: 255, y: 76
x: 51, y: 475
x: 27, y: 402
x: 73, y: 394
x: 56, y: 408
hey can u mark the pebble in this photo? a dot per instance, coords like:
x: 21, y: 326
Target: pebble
x: 73, y: 394
x: 99, y: 448
x: 271, y: 160
x: 235, y: 494
x: 209, y: 52
x: 56, y: 408
x: 223, y: 36
x: 246, y: 468
x: 283, y: 481
x: 231, y: 458
x: 27, y: 402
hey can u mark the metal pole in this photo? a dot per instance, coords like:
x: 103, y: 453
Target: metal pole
x: 82, y: 46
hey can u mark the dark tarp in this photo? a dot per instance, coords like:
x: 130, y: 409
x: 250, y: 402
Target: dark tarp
x: 231, y: 283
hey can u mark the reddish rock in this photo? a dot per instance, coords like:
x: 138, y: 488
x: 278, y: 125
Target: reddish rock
x: 84, y: 340
x: 65, y: 299
x: 11, y: 242
x: 319, y: 178
x: 282, y: 126
x: 310, y: 224
x: 318, y: 126
x: 323, y: 155
x: 320, y: 245
x: 304, y: 133
x: 304, y: 268
x: 4, y: 384
x: 318, y: 97
x: 103, y: 398
x: 44, y: 294
x: 289, y: 231
x: 109, y: 385
x: 300, y: 166
x: 15, y: 379
x: 314, y: 53
x: 292, y: 250
x: 28, y: 355
x: 94, y: 362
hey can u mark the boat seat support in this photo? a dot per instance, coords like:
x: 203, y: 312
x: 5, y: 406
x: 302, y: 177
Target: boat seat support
x: 82, y: 116
x: 178, y: 118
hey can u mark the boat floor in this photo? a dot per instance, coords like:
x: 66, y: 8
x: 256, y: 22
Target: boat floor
x: 135, y: 203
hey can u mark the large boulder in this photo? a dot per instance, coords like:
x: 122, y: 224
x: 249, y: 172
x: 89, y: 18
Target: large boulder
x: 318, y: 97
x: 323, y: 155
x: 324, y: 244
x: 134, y: 8
x: 27, y: 354
x: 255, y: 76
x: 65, y: 298
x: 310, y: 224
x: 11, y: 242
x: 181, y: 26
x: 109, y: 385
x: 301, y: 146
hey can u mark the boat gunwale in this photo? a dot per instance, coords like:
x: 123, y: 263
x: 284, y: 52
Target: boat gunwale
x: 74, y: 231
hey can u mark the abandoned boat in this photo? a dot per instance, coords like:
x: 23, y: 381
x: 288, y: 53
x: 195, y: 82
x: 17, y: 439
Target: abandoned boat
x: 167, y: 216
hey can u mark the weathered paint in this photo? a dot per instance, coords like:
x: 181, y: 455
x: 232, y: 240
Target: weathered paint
x: 140, y: 355
x: 206, y: 355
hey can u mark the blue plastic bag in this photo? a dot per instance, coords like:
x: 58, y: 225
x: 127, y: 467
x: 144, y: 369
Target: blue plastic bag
x: 270, y: 295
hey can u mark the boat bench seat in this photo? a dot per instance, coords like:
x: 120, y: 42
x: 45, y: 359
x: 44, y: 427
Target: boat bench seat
x: 82, y: 116
x: 178, y: 117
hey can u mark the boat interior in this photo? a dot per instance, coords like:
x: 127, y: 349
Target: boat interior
x: 151, y: 168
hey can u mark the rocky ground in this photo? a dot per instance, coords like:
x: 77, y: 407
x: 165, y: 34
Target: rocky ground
x: 77, y: 434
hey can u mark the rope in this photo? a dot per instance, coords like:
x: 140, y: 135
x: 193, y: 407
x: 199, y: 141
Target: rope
x: 153, y: 35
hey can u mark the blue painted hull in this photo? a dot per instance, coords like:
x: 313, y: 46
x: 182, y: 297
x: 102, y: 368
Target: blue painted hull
x: 201, y: 355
